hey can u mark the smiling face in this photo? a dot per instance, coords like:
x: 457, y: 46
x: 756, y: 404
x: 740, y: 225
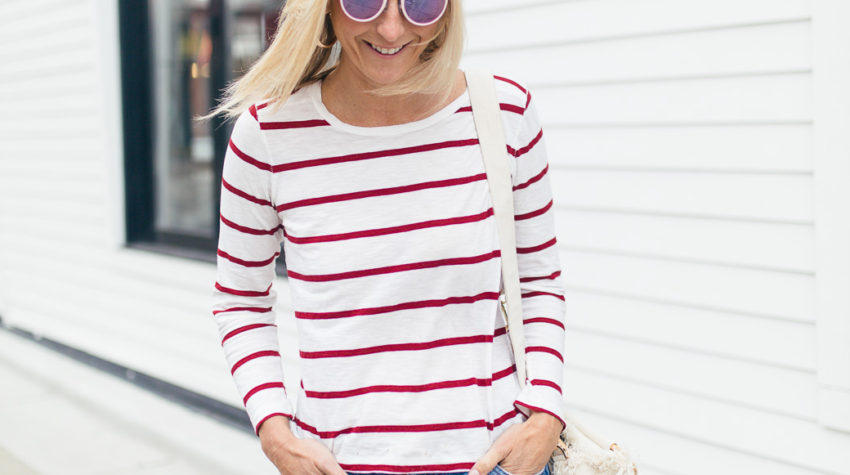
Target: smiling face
x: 381, y: 51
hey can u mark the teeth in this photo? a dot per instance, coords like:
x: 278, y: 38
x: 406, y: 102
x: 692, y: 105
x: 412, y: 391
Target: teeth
x: 386, y: 51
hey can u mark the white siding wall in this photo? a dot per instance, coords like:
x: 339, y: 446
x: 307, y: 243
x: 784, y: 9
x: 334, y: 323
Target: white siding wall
x: 63, y: 270
x: 681, y: 141
x: 680, y: 137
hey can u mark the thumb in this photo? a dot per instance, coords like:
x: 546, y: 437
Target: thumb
x: 487, y: 462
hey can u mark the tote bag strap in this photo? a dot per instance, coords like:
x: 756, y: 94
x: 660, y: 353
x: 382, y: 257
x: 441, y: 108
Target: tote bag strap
x: 491, y: 136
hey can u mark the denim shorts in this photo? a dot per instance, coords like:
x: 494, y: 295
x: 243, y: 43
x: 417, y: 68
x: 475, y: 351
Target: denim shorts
x: 497, y: 470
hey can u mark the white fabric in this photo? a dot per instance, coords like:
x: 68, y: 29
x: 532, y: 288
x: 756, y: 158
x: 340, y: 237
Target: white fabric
x: 393, y: 264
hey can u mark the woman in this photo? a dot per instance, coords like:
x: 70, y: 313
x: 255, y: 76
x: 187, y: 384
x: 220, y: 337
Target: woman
x: 363, y: 160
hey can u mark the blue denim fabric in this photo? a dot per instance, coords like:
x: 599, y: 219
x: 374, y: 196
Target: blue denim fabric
x: 497, y: 470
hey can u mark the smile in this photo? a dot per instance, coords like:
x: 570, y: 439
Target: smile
x: 386, y: 51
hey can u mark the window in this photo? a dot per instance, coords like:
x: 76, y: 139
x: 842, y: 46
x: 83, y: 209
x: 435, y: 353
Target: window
x: 177, y: 56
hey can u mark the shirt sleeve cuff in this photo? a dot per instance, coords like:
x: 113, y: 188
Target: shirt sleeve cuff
x: 267, y: 403
x: 543, y: 399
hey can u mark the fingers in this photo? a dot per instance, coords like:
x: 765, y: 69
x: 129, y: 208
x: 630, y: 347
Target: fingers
x: 490, y: 459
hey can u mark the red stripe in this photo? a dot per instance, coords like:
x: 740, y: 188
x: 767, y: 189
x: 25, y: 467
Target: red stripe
x: 245, y: 328
x: 453, y: 261
x: 396, y: 307
x: 552, y: 276
x: 522, y: 151
x: 257, y: 429
x: 374, y: 154
x: 540, y: 409
x: 246, y: 229
x: 539, y: 247
x: 263, y: 105
x: 244, y: 309
x: 538, y: 293
x: 238, y: 192
x: 533, y: 179
x: 528, y: 99
x: 544, y: 349
x: 424, y: 345
x: 544, y: 320
x: 243, y: 293
x: 391, y: 230
x: 295, y: 124
x: 253, y: 356
x: 245, y: 263
x: 500, y: 78
x: 260, y: 388
x: 409, y: 428
x: 545, y: 382
x: 503, y: 106
x: 532, y: 214
x: 417, y: 388
x: 249, y: 159
x: 382, y: 191
x: 253, y: 111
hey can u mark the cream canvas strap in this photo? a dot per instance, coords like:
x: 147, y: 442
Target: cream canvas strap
x: 491, y: 136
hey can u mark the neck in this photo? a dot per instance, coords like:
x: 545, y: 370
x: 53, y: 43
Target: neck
x: 345, y: 94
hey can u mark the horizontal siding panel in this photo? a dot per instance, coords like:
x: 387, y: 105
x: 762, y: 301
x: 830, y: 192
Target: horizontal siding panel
x: 771, y: 388
x: 71, y: 58
x: 779, y: 246
x: 767, y: 341
x: 47, y: 151
x: 743, y: 50
x: 76, y: 163
x: 782, y: 148
x: 35, y: 107
x: 31, y: 17
x: 47, y: 42
x: 72, y: 124
x: 49, y: 86
x: 61, y: 213
x: 724, y: 195
x: 785, y: 97
x: 25, y: 228
x: 767, y: 294
x: 745, y: 430
x: 570, y: 21
x: 79, y: 192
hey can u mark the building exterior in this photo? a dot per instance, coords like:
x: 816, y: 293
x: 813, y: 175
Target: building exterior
x: 699, y: 156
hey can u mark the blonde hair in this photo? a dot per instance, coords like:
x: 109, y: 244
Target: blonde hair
x: 299, y: 54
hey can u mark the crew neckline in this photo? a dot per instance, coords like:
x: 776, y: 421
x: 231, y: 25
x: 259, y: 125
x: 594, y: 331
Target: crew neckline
x: 314, y: 90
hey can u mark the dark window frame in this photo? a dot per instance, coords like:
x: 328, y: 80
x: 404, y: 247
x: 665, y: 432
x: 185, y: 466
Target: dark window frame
x: 137, y: 116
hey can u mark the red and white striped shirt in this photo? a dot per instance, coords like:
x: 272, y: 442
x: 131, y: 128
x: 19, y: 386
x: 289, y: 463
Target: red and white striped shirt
x: 393, y: 264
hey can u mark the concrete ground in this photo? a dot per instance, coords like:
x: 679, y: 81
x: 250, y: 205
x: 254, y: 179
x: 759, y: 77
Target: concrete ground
x: 60, y: 416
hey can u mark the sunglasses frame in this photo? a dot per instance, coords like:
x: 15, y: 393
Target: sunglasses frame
x: 403, y: 12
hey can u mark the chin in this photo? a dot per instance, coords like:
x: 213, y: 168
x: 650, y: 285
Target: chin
x: 386, y: 78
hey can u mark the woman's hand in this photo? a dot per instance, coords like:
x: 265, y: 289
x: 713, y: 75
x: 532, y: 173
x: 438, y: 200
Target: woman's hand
x: 522, y: 449
x: 294, y: 456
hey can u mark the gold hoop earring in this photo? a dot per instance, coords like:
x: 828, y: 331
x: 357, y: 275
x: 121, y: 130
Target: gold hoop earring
x: 329, y: 30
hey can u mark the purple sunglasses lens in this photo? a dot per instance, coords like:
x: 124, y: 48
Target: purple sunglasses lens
x: 424, y: 11
x: 362, y: 9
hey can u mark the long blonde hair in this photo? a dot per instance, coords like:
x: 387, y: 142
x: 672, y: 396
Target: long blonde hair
x: 298, y: 55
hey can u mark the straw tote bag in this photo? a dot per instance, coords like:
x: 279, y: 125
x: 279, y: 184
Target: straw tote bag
x: 579, y: 451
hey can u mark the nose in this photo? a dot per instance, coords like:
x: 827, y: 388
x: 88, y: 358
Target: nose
x: 391, y: 22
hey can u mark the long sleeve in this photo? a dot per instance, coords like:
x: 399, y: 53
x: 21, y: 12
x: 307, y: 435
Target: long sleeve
x: 543, y: 302
x: 243, y: 298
